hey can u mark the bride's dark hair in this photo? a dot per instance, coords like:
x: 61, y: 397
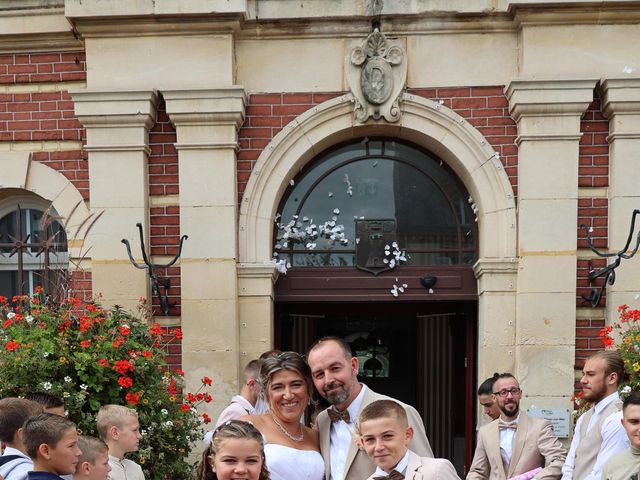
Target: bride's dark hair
x: 234, y: 429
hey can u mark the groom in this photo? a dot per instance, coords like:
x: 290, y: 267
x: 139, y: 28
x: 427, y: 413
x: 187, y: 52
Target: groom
x: 334, y: 370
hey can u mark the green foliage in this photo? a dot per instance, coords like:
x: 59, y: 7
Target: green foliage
x: 90, y: 357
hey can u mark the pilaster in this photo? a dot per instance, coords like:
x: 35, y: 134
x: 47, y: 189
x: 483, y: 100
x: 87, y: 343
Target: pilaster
x: 548, y: 118
x: 117, y: 125
x: 206, y: 124
x: 621, y: 105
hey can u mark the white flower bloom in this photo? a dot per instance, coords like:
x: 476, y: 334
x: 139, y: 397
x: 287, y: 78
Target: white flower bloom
x: 45, y: 354
x: 626, y: 389
x: 164, y: 411
x: 67, y: 379
x: 83, y: 387
x: 169, y: 423
x: 66, y: 395
x: 29, y: 319
x: 10, y: 315
x: 47, y: 385
x: 143, y: 432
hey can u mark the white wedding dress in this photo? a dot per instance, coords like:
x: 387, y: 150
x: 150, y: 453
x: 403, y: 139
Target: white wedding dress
x: 286, y: 463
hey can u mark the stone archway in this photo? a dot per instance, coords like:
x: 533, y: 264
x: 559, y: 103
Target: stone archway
x: 425, y: 123
x: 23, y: 173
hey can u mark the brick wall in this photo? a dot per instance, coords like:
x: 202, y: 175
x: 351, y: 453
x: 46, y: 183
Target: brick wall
x: 593, y: 211
x: 164, y: 220
x: 163, y: 160
x: 42, y: 67
x: 487, y: 109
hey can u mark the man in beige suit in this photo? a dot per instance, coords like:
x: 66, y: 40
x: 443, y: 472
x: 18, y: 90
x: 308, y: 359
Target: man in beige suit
x: 515, y: 443
x: 335, y: 374
x: 599, y: 433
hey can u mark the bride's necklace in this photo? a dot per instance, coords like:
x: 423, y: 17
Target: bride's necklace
x: 284, y: 430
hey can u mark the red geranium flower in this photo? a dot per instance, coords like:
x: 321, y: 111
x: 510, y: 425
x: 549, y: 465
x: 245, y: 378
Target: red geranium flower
x: 124, y: 330
x: 156, y: 329
x: 7, y: 323
x: 207, y: 381
x: 125, y: 382
x: 85, y: 343
x: 103, y: 363
x: 206, y: 418
x: 146, y: 354
x: 185, y: 408
x: 123, y: 366
x: 12, y: 345
x: 132, y: 398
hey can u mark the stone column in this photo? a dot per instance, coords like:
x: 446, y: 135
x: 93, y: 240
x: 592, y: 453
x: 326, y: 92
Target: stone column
x: 117, y: 125
x: 548, y: 118
x: 621, y: 105
x: 206, y: 123
x: 256, y: 309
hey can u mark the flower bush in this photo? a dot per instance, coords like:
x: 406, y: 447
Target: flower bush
x: 624, y: 336
x: 89, y: 357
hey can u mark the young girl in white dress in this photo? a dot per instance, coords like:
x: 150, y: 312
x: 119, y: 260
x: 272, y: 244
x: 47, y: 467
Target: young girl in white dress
x: 292, y: 451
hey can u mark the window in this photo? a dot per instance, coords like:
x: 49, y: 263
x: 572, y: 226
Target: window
x: 33, y: 246
x: 417, y: 195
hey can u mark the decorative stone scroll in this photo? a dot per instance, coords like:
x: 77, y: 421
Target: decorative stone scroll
x: 377, y: 72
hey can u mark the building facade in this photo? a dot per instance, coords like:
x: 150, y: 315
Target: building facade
x: 471, y: 138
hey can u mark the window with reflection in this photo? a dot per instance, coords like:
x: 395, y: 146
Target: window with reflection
x: 424, y: 208
x: 33, y: 244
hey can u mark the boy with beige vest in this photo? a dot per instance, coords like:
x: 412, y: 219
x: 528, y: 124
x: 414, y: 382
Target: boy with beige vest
x: 599, y: 433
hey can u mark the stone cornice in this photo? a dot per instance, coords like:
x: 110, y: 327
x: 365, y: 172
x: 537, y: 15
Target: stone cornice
x: 113, y: 109
x: 620, y: 96
x: 547, y: 98
x: 221, y: 106
x: 494, y: 266
x: 257, y: 270
x: 36, y: 26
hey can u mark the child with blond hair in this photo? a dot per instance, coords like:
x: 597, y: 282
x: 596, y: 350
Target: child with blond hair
x: 118, y: 427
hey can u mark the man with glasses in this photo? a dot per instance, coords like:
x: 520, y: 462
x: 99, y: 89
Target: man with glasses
x: 515, y: 443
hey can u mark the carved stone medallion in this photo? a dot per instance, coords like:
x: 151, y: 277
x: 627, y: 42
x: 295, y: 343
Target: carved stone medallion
x: 377, y: 72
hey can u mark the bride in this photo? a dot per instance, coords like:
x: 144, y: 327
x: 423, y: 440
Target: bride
x: 292, y: 450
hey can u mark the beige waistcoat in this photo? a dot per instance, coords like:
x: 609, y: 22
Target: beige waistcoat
x: 589, y: 446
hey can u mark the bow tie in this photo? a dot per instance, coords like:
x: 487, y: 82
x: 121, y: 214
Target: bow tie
x: 394, y: 475
x: 502, y: 425
x: 335, y: 415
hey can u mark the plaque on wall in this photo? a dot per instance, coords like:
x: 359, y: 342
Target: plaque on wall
x: 559, y: 418
x: 371, y: 237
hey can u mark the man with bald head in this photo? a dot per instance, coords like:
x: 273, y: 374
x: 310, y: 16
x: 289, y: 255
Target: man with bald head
x: 334, y: 370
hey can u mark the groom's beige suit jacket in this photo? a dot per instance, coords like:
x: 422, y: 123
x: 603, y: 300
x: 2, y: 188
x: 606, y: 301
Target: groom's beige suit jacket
x: 358, y: 465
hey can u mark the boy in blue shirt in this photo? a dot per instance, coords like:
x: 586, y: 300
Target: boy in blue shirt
x: 52, y: 443
x: 15, y: 464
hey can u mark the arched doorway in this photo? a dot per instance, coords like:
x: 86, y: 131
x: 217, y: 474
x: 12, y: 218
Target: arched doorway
x: 428, y: 125
x: 378, y: 239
